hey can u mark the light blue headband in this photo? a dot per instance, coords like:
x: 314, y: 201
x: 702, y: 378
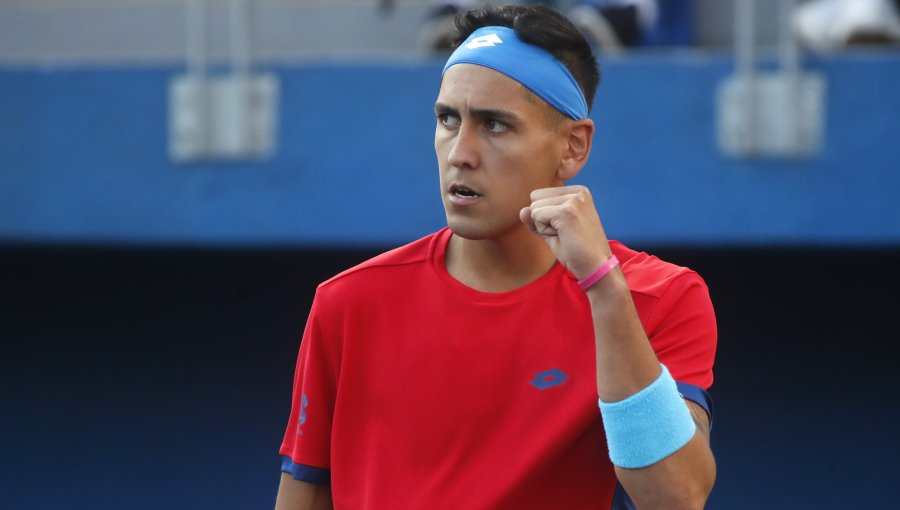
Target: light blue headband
x: 500, y: 49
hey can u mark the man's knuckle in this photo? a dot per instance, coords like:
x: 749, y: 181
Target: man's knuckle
x: 568, y: 209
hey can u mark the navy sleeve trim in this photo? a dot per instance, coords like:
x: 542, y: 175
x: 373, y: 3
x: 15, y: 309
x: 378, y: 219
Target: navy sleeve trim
x: 699, y: 396
x: 304, y: 473
x: 621, y: 500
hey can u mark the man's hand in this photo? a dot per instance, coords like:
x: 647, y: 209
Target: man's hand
x: 566, y: 219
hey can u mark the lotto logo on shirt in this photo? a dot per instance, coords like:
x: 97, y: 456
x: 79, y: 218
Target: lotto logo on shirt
x: 549, y: 378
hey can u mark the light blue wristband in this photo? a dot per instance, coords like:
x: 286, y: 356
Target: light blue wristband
x: 648, y: 426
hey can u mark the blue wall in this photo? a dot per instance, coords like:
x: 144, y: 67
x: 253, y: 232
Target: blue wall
x: 171, y: 369
x: 83, y: 158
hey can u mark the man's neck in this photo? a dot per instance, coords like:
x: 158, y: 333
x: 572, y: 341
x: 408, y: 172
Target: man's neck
x: 501, y: 264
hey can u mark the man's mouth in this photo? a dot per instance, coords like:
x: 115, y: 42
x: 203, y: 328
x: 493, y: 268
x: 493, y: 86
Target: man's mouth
x: 463, y: 191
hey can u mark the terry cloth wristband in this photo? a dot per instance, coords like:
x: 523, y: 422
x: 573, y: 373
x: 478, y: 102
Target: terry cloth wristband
x: 648, y: 426
x: 500, y: 49
x: 599, y: 273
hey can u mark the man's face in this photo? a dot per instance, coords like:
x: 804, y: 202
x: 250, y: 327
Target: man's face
x: 494, y: 147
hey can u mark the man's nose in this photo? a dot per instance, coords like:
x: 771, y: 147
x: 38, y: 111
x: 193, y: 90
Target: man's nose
x: 464, y: 152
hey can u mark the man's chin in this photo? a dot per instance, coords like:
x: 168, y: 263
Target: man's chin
x: 478, y: 231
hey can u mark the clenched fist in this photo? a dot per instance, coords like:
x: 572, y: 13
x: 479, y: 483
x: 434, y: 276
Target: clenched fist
x: 566, y: 219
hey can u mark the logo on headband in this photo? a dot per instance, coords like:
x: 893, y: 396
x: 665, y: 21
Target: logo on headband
x: 485, y: 40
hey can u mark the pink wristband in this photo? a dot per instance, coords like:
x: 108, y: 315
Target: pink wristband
x: 599, y: 273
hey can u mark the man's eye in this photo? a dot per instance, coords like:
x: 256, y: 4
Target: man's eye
x: 495, y: 126
x: 447, y: 120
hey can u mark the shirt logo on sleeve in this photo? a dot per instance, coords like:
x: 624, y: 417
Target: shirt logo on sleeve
x: 304, y: 403
x: 549, y: 378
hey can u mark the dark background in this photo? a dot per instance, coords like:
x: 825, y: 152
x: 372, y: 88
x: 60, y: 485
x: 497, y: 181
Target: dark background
x: 161, y: 378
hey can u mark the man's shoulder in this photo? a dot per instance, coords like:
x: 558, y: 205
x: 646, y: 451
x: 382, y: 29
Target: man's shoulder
x: 649, y: 275
x: 385, y: 266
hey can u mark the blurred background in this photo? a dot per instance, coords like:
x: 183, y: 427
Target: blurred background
x: 177, y: 176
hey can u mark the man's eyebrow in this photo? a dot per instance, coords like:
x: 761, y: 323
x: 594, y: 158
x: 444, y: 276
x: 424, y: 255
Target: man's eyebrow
x: 480, y: 113
x: 441, y: 108
x: 491, y: 113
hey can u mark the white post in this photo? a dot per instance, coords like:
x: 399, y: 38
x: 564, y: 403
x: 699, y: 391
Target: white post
x: 196, y: 38
x: 192, y: 114
x: 234, y: 102
x: 789, y: 56
x: 745, y: 68
x: 239, y: 25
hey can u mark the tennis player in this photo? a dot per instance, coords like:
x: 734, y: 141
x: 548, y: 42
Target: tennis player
x: 516, y: 359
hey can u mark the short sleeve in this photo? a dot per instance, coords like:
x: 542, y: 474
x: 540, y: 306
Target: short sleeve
x: 682, y: 330
x: 307, y: 440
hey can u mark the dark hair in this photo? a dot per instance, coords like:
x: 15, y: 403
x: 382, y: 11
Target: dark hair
x: 543, y: 27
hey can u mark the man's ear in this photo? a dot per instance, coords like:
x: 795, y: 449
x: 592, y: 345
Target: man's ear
x: 579, y: 135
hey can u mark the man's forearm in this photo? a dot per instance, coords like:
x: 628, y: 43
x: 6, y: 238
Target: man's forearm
x: 297, y: 495
x: 626, y: 364
x: 682, y: 480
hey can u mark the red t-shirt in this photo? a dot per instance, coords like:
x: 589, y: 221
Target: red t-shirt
x: 413, y: 390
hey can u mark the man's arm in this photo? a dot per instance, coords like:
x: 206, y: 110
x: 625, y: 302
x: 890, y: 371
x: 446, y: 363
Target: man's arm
x: 567, y: 220
x: 642, y: 484
x: 297, y: 495
x: 626, y: 365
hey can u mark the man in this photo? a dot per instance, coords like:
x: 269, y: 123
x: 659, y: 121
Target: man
x: 463, y: 371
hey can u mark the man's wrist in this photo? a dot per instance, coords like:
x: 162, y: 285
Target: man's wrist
x: 599, y: 273
x: 648, y: 426
x: 610, y: 286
